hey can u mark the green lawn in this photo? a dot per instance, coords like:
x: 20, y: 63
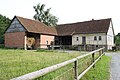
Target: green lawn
x: 101, y: 70
x: 14, y: 63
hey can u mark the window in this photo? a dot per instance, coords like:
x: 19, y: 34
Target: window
x: 100, y: 38
x: 47, y: 41
x: 77, y: 38
x: 95, y: 38
x: 96, y: 45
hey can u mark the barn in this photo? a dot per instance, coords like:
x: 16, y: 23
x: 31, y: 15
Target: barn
x: 27, y: 33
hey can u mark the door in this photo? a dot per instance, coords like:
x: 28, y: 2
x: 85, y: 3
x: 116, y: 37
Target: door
x: 83, y: 40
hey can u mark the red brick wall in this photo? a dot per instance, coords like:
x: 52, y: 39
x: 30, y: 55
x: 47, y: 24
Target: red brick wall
x: 14, y: 40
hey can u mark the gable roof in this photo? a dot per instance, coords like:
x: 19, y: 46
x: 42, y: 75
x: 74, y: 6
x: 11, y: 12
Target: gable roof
x: 86, y: 27
x: 93, y: 26
x: 36, y: 26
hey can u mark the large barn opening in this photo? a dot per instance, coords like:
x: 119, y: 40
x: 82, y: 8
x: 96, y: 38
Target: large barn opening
x: 33, y: 40
x: 63, y: 40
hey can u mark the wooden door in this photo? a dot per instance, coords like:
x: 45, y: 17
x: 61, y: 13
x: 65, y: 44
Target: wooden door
x: 83, y: 40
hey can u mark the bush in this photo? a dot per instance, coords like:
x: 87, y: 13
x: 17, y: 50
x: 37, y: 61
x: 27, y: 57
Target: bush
x: 2, y: 46
x: 1, y: 41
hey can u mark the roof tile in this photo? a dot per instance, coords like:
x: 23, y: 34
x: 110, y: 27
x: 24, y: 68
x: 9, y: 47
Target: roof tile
x: 36, y: 26
x: 93, y: 26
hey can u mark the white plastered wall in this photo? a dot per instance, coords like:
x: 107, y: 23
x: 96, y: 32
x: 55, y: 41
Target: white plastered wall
x: 89, y: 39
x: 110, y: 37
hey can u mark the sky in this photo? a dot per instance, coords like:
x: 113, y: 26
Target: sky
x: 68, y: 11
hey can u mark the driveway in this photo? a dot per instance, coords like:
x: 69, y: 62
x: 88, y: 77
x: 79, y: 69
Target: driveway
x: 115, y: 65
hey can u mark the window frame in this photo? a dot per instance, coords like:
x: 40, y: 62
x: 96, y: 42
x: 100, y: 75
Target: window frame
x: 100, y: 38
x: 95, y: 38
x: 77, y: 38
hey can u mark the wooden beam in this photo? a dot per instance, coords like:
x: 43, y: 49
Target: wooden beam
x: 85, y: 71
x: 47, y: 70
x: 93, y: 59
x: 44, y: 71
x: 25, y: 42
x: 75, y: 70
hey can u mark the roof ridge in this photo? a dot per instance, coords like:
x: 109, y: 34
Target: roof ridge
x: 84, y: 21
x: 25, y: 18
x: 31, y: 20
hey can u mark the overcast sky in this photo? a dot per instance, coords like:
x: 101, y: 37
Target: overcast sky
x: 68, y: 11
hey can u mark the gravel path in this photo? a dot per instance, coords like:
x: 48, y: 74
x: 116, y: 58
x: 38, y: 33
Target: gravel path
x: 115, y: 66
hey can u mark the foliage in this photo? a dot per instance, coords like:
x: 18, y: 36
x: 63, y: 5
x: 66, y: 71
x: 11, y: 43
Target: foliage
x: 117, y: 39
x: 101, y: 70
x: 4, y: 22
x: 15, y: 63
x: 44, y: 15
x: 2, y: 46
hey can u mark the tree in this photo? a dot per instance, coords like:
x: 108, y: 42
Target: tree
x: 117, y: 39
x: 4, y: 22
x: 44, y: 15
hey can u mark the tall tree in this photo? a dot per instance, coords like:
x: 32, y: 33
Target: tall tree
x: 117, y: 39
x: 4, y: 22
x: 44, y: 15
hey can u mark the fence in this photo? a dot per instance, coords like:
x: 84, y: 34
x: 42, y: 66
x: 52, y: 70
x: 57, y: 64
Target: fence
x: 87, y: 47
x: 75, y: 68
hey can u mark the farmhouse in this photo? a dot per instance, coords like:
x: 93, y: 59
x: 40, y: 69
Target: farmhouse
x: 26, y: 33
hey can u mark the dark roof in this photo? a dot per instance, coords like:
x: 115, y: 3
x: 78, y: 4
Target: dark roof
x: 86, y: 27
x: 93, y: 26
x: 36, y: 26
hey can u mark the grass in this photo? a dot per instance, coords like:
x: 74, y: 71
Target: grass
x: 101, y: 70
x: 14, y: 63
